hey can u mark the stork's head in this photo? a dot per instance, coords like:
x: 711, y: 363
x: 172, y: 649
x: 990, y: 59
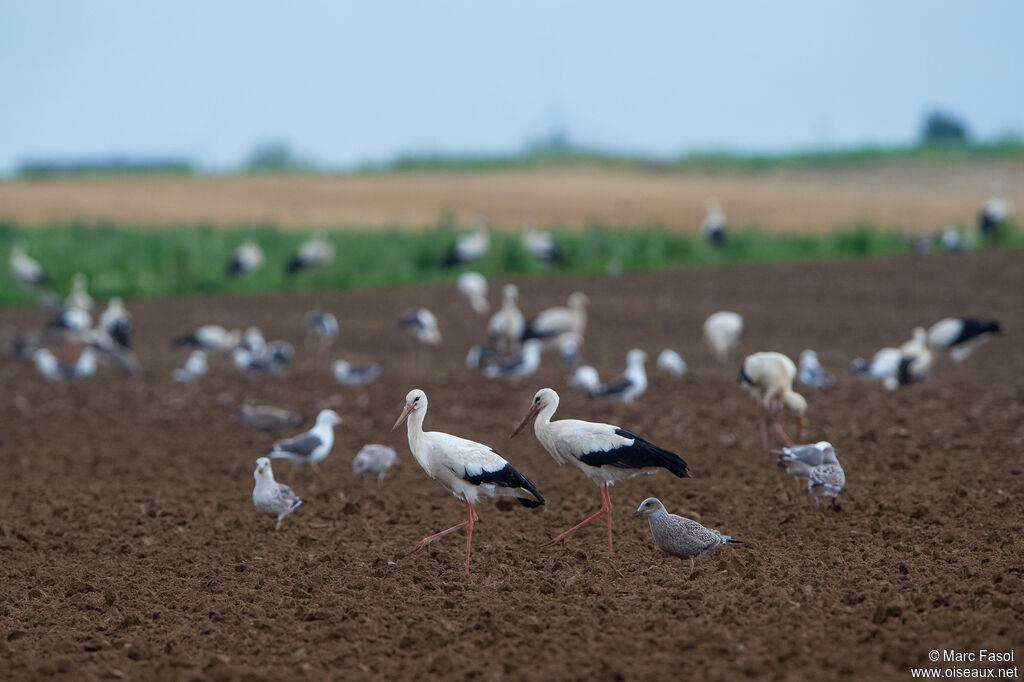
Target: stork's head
x: 542, y: 399
x: 651, y: 505
x: 416, y: 399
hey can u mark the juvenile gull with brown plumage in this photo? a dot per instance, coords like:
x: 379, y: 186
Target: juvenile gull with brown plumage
x: 678, y: 536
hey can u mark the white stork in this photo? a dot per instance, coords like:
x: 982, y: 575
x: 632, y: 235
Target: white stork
x: 959, y: 336
x: 993, y: 212
x: 466, y: 468
x: 26, y: 269
x: 553, y: 322
x: 247, y: 258
x: 768, y: 377
x: 631, y: 385
x: 722, y: 331
x: 714, y: 224
x: 603, y: 452
x: 117, y: 322
x: 468, y: 247
x: 884, y: 366
x: 541, y: 245
x: 915, y: 359
x: 506, y: 326
x: 79, y: 296
x: 313, y: 253
x: 473, y: 286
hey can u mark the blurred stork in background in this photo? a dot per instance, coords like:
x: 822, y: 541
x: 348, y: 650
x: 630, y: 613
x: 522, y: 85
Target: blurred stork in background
x: 993, y: 214
x: 79, y: 296
x: 506, y: 326
x: 469, y: 247
x: 473, y: 286
x: 313, y: 253
x: 541, y: 245
x: 714, y: 225
x: 248, y: 257
x: 722, y: 331
x: 27, y: 270
x: 768, y: 377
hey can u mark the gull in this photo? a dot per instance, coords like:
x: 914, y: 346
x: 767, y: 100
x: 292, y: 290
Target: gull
x: 374, y: 459
x: 466, y: 468
x: 827, y: 479
x: 811, y: 373
x: 247, y: 258
x: 271, y: 497
x: 355, y: 375
x: 605, y: 453
x: 585, y: 378
x: 422, y: 324
x: 631, y: 385
x: 915, y: 359
x: 211, y: 337
x: 671, y: 362
x: 195, y: 366
x: 322, y: 329
x: 800, y: 459
x: 523, y: 365
x: 480, y: 355
x: 473, y: 286
x: 267, y: 417
x: 311, y: 447
x: 678, y: 536
x: 884, y: 366
x: 569, y: 344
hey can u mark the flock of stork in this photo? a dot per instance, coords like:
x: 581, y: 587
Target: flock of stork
x: 605, y: 453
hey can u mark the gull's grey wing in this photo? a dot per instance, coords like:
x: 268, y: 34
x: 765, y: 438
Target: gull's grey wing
x: 620, y: 385
x: 303, y: 445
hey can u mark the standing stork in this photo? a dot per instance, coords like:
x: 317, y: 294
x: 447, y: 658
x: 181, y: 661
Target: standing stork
x: 26, y: 269
x: 473, y: 286
x: 541, y: 245
x: 248, y: 257
x: 506, y: 326
x: 468, y: 247
x: 603, y: 452
x: 466, y: 468
x: 714, y: 224
x: 722, y: 331
x: 79, y: 296
x: 311, y: 254
x: 993, y: 212
x: 117, y: 322
x: 768, y: 377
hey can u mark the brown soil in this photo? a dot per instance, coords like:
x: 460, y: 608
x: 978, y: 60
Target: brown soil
x: 131, y: 548
x: 907, y: 195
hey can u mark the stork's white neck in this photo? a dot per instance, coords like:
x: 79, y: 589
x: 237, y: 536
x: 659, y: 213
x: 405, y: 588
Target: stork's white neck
x: 414, y: 426
x: 544, y: 417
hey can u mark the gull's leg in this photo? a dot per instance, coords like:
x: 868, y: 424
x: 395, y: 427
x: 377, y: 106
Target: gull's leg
x: 691, y: 568
x: 604, y: 510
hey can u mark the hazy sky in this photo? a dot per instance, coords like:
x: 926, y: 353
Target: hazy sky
x: 346, y: 82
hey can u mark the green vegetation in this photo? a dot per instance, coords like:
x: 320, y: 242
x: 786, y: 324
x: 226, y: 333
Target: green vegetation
x: 120, y: 260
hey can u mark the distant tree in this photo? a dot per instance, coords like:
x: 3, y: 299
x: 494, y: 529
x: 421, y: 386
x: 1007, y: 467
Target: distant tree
x: 276, y: 157
x: 943, y: 127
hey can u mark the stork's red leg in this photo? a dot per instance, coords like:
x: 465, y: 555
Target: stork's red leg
x: 430, y: 538
x: 605, y: 508
x: 782, y: 434
x: 469, y: 534
x: 607, y: 495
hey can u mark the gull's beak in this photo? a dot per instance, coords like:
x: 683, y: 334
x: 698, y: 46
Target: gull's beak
x: 402, y: 417
x: 637, y: 513
x: 534, y: 410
